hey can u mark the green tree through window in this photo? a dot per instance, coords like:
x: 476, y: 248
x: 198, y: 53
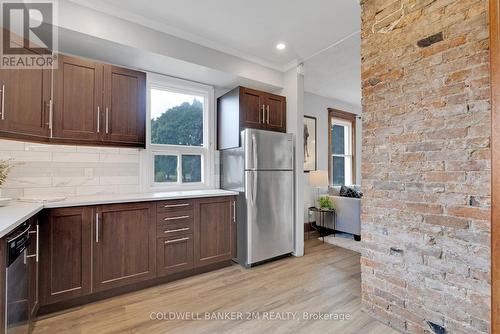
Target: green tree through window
x: 179, y: 125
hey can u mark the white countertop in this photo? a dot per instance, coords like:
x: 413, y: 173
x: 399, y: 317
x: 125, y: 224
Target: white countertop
x: 16, y: 212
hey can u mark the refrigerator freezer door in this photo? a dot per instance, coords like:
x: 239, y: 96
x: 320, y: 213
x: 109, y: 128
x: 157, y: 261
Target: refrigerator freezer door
x: 269, y: 199
x: 267, y: 150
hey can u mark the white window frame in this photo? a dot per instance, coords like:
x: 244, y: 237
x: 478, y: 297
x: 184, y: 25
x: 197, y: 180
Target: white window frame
x: 207, y: 151
x: 348, y: 149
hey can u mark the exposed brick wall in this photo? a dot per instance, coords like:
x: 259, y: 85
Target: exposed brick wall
x: 426, y: 164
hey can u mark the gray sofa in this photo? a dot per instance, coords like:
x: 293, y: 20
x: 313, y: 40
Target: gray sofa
x: 348, y: 211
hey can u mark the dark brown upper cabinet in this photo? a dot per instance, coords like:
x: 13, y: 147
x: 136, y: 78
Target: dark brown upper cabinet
x: 125, y: 105
x: 243, y: 108
x: 82, y: 101
x: 24, y: 105
x: 78, y: 100
x: 99, y: 103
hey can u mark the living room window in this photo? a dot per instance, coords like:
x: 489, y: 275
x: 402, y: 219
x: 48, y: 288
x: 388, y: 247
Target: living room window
x: 341, y: 147
x: 179, y: 146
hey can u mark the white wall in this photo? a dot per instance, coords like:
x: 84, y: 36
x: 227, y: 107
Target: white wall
x: 294, y: 92
x: 316, y: 106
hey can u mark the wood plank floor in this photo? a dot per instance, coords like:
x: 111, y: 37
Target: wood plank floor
x: 325, y: 280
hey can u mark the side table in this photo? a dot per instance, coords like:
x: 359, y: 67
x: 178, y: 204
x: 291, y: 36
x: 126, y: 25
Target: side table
x: 322, y: 213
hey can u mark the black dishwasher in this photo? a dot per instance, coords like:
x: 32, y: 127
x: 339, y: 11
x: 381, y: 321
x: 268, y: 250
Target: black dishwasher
x: 17, y: 308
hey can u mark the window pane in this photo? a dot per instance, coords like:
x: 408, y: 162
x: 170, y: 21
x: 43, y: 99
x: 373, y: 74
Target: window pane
x: 338, y: 167
x: 165, y: 168
x: 338, y: 143
x: 176, y: 118
x: 191, y: 168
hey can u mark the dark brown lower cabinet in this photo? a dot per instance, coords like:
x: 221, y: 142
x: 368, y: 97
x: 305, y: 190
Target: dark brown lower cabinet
x: 86, y: 250
x: 124, y: 245
x: 65, y: 254
x: 174, y: 254
x: 213, y: 230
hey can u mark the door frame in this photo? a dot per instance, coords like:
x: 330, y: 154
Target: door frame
x: 494, y: 16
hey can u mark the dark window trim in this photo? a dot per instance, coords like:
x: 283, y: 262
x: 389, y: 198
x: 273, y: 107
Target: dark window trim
x: 346, y: 116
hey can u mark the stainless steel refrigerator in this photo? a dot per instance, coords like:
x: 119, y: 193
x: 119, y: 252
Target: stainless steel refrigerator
x: 262, y: 171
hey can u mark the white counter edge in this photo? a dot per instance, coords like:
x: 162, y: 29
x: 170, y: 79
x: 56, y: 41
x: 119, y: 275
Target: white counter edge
x: 34, y: 208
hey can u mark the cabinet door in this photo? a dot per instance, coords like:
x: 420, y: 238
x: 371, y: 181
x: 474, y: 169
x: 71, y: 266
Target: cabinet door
x: 251, y: 108
x: 78, y: 99
x: 65, y: 254
x: 125, y: 107
x: 213, y: 217
x: 124, y: 244
x: 33, y: 274
x: 275, y: 113
x: 25, y: 97
x: 174, y: 254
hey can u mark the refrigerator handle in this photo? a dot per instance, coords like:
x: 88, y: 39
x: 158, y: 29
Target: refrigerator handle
x: 254, y: 186
x: 254, y: 151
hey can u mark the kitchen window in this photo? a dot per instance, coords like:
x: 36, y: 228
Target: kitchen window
x: 180, y: 127
x: 341, y: 147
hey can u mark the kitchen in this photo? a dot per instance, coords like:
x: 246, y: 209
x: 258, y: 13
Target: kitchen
x: 155, y: 181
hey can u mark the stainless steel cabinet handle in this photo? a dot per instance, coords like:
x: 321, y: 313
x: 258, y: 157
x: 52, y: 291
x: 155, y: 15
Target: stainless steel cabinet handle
x: 176, y: 205
x: 268, y: 114
x: 107, y: 120
x: 3, y: 102
x: 176, y: 240
x: 51, y: 116
x: 98, y: 119
x: 37, y: 232
x: 177, y: 230
x: 176, y: 218
x: 234, y: 211
x: 264, y: 113
x: 97, y: 227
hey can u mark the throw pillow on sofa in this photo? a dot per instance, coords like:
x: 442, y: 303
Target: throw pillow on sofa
x: 346, y: 191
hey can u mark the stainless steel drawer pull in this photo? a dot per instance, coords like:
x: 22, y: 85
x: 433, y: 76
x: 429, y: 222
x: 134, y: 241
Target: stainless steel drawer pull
x: 176, y: 218
x: 176, y: 205
x: 176, y: 240
x: 177, y: 230
x: 3, y: 102
x: 97, y: 227
x: 234, y: 211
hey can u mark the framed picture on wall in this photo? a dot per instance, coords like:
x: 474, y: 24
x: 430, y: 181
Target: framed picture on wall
x: 309, y: 143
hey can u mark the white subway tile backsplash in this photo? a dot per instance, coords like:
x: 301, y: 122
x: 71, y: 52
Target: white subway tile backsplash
x: 48, y: 148
x: 95, y: 190
x: 75, y: 157
x: 22, y: 156
x: 65, y: 170
x: 64, y: 181
x: 124, y: 158
x: 28, y: 182
x: 88, y: 149
x: 11, y: 145
x: 50, y: 192
x: 119, y: 180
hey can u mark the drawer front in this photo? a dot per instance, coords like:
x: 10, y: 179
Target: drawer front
x: 169, y: 230
x: 174, y: 206
x: 174, y: 217
x: 174, y: 254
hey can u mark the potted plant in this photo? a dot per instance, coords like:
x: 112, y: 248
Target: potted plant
x: 326, y: 203
x: 5, y: 167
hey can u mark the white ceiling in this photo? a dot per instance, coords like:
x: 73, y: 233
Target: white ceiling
x: 251, y: 29
x: 336, y: 72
